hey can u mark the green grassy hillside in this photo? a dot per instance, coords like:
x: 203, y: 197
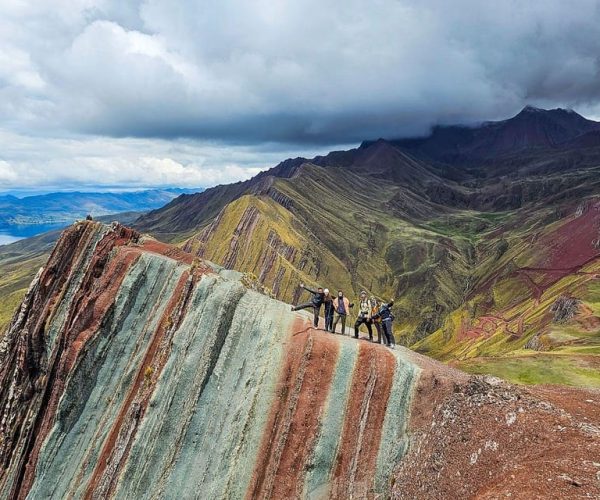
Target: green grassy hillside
x: 337, y: 230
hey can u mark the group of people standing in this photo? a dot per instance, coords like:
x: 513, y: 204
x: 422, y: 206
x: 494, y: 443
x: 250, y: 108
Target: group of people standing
x: 370, y: 312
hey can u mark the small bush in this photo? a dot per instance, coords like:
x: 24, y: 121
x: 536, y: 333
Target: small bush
x: 148, y: 372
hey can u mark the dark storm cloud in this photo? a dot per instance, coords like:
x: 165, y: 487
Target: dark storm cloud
x: 303, y: 71
x: 295, y: 72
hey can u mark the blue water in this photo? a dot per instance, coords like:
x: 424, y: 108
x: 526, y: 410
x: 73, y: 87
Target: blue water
x: 11, y: 233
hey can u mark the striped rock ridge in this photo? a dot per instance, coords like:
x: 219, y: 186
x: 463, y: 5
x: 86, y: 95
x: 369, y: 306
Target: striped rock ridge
x: 134, y: 370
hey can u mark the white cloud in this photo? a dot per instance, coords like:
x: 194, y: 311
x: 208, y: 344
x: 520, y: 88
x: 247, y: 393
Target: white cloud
x: 292, y: 72
x: 82, y: 161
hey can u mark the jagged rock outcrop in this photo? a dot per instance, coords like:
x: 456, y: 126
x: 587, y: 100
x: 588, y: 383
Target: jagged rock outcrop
x: 134, y: 370
x: 564, y: 308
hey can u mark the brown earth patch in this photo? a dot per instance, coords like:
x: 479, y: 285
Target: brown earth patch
x: 487, y: 439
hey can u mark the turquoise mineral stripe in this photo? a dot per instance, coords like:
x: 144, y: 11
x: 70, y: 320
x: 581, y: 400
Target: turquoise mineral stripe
x: 195, y: 350
x: 332, y: 423
x: 223, y: 440
x: 394, y: 438
x: 101, y: 379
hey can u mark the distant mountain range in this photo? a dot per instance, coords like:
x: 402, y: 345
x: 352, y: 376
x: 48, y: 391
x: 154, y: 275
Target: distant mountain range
x: 476, y: 231
x: 68, y: 206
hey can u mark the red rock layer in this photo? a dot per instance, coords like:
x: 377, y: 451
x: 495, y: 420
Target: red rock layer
x: 91, y: 305
x: 293, y: 424
x: 39, y: 382
x: 356, y: 461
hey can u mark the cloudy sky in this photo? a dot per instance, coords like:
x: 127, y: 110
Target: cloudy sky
x: 105, y: 93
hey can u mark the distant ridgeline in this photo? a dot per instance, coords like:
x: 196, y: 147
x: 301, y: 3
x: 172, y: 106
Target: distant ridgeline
x: 65, y: 207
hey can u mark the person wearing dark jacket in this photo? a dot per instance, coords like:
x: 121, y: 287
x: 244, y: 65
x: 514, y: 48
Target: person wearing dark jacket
x: 386, y: 315
x: 316, y: 302
x: 329, y: 309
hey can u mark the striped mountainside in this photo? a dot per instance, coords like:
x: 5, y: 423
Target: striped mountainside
x: 133, y: 370
x: 153, y: 376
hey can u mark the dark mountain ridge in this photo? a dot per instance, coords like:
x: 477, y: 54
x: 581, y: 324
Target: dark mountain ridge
x: 494, y: 166
x: 531, y: 128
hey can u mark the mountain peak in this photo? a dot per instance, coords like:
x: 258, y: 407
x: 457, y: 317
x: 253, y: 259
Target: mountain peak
x: 532, y: 109
x: 531, y: 128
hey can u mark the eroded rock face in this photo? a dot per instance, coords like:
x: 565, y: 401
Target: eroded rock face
x: 133, y: 370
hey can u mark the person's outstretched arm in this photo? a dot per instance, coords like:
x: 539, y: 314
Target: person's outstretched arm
x: 308, y: 289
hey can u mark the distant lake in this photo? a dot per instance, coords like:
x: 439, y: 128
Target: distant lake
x: 11, y: 233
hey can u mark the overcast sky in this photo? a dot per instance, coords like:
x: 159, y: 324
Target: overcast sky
x: 101, y: 93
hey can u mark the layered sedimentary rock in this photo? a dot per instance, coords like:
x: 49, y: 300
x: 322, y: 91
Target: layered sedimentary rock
x: 134, y: 370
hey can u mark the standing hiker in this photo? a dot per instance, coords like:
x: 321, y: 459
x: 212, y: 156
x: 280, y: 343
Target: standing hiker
x: 316, y: 302
x: 376, y: 320
x: 328, y: 306
x: 364, y: 315
x: 385, y: 313
x: 341, y: 305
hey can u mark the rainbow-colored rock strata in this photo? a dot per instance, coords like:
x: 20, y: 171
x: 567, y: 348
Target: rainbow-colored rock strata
x: 133, y: 371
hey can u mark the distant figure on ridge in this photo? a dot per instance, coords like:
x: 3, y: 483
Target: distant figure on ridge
x: 385, y: 313
x: 364, y: 315
x: 317, y: 301
x: 341, y: 306
x: 329, y: 309
x: 89, y: 217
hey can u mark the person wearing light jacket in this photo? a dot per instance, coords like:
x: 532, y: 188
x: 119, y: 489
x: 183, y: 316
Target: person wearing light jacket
x: 364, y: 315
x: 377, y: 321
